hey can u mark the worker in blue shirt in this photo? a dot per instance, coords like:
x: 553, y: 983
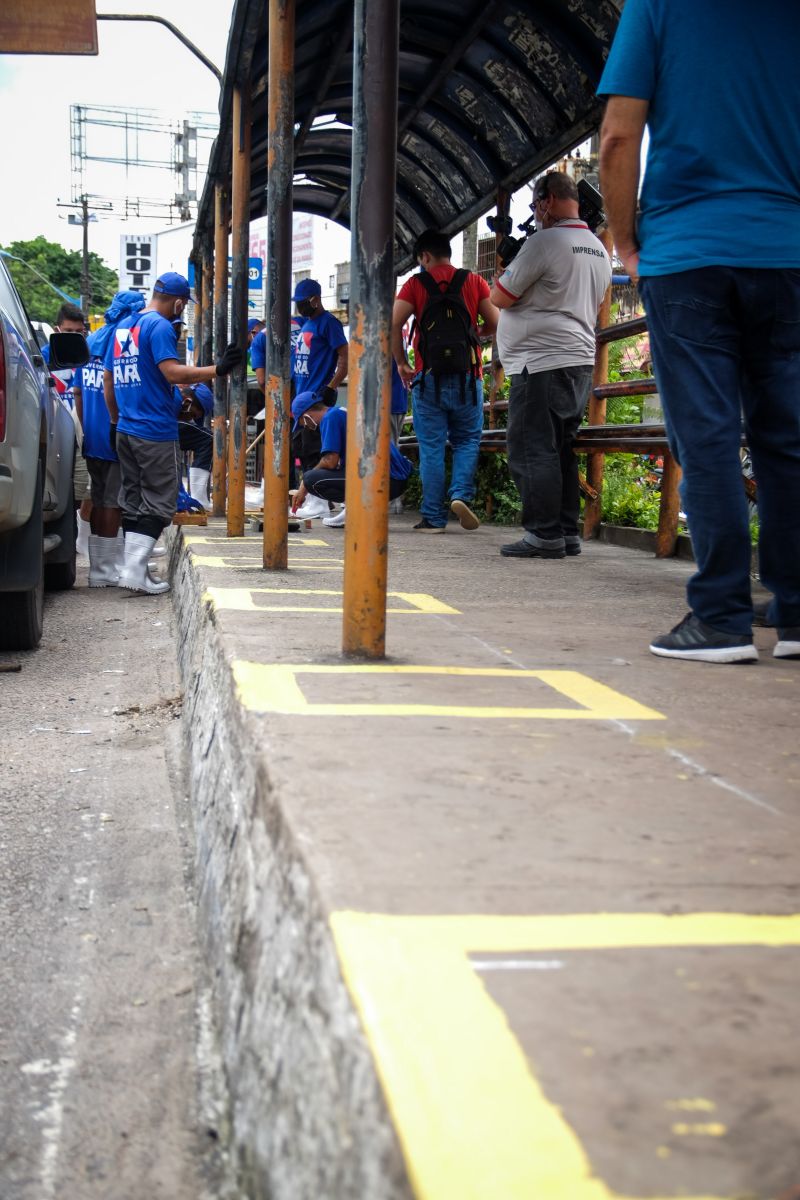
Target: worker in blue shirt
x: 327, y: 479
x: 141, y: 370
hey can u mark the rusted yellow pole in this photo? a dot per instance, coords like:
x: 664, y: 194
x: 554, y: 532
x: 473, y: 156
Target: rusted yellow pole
x: 280, y: 163
x: 375, y: 83
x: 219, y: 422
x: 240, y: 234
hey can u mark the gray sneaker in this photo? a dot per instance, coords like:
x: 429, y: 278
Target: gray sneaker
x: 788, y: 644
x: 693, y: 639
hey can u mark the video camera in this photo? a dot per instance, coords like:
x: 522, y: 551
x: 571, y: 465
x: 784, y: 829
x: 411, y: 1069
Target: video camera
x: 590, y: 210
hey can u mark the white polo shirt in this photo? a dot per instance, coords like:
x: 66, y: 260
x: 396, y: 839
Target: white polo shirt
x: 558, y: 280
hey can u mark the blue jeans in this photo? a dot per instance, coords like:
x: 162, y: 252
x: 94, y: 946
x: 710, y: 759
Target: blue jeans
x: 726, y: 345
x: 455, y: 416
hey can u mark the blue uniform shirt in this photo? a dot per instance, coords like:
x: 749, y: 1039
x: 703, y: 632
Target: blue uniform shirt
x: 146, y: 402
x: 315, y: 352
x: 333, y: 432
x: 96, y: 421
x: 258, y: 351
x: 722, y: 185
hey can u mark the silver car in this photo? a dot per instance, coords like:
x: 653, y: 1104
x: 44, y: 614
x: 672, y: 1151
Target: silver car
x: 37, y: 456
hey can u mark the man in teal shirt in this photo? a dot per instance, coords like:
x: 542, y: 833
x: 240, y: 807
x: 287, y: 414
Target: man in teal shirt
x: 717, y: 254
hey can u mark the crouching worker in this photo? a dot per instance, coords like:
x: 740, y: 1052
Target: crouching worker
x: 141, y: 370
x: 327, y: 479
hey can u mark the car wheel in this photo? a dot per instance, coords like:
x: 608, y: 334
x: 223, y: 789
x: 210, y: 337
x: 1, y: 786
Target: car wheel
x: 60, y: 576
x: 21, y: 613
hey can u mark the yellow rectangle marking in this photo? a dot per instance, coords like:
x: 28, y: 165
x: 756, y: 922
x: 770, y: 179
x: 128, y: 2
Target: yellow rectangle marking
x: 241, y: 600
x: 473, y: 1121
x: 254, y: 539
x: 262, y: 688
x: 231, y: 562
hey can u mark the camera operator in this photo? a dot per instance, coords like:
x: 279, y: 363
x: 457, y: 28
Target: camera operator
x: 549, y: 297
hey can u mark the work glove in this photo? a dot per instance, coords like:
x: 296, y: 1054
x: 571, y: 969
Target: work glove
x: 231, y: 358
x: 112, y: 437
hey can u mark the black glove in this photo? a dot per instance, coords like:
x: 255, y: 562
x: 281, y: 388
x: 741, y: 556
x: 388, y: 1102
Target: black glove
x: 112, y: 437
x: 329, y: 396
x: 231, y: 358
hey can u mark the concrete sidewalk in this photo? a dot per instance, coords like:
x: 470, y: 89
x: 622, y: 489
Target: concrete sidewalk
x: 555, y: 873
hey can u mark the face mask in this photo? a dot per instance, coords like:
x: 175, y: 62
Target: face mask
x: 314, y: 424
x: 178, y: 309
x: 305, y: 308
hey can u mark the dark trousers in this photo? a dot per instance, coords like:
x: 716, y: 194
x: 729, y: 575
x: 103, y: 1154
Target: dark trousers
x: 544, y: 411
x: 329, y: 485
x: 726, y: 345
x: 199, y: 440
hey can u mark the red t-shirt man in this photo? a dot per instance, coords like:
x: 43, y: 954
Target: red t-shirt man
x: 474, y: 291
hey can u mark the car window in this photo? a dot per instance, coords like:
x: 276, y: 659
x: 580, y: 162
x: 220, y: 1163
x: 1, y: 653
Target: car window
x: 10, y: 300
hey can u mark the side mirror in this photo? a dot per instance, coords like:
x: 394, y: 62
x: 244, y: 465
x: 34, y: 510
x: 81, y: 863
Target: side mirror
x: 68, y: 350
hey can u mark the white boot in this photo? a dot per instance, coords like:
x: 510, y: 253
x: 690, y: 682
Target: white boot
x: 82, y: 540
x: 336, y: 520
x: 198, y: 485
x: 103, y: 569
x: 134, y: 574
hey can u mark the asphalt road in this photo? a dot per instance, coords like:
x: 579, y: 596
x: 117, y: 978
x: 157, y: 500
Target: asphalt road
x: 108, y: 1082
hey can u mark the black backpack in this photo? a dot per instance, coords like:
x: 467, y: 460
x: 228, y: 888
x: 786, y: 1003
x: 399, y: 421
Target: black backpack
x: 448, y: 343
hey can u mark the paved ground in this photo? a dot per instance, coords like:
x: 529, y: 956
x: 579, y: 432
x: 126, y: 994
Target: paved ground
x: 107, y: 1080
x: 560, y: 872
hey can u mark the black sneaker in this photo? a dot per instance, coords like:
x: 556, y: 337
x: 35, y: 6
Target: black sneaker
x: 760, y: 618
x: 523, y: 549
x: 788, y: 644
x: 424, y: 526
x: 573, y: 549
x: 693, y: 639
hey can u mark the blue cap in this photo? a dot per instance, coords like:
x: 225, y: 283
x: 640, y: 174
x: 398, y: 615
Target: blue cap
x: 204, y: 396
x: 173, y: 284
x: 302, y: 403
x: 253, y: 323
x: 305, y: 289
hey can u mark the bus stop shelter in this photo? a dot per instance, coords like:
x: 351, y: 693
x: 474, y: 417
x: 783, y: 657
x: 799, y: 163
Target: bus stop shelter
x: 388, y: 116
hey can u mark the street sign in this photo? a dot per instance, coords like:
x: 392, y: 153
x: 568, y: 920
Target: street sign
x: 255, y: 274
x: 58, y: 27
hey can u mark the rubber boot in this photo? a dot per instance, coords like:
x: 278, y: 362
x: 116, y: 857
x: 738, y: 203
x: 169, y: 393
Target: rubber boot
x: 198, y: 484
x: 103, y: 570
x: 134, y: 574
x: 82, y: 540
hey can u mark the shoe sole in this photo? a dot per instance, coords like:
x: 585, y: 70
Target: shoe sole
x: 552, y: 554
x: 466, y: 517
x: 723, y: 654
x: 786, y: 650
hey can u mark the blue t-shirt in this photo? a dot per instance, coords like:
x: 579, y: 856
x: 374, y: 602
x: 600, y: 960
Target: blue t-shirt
x: 722, y: 185
x: 333, y: 432
x: 314, y: 355
x: 96, y: 421
x: 146, y: 401
x: 65, y: 380
x: 258, y: 351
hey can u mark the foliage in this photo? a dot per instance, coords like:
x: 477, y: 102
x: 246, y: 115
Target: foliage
x: 63, y: 268
x: 630, y: 492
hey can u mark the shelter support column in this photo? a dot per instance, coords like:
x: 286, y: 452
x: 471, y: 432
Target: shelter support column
x: 280, y: 166
x: 372, y: 207
x: 240, y: 249
x: 206, y: 349
x: 595, y: 462
x: 219, y: 422
x: 197, y: 321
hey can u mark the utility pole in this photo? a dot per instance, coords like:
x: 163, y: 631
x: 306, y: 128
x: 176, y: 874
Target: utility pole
x: 83, y: 219
x: 85, y: 285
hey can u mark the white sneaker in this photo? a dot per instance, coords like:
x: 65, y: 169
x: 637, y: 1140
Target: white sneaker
x: 312, y: 507
x: 336, y: 521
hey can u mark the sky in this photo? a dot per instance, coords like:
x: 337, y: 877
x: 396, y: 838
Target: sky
x: 38, y: 90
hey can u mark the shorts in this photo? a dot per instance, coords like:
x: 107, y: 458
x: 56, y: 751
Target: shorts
x: 106, y: 482
x: 149, y: 478
x: 80, y: 479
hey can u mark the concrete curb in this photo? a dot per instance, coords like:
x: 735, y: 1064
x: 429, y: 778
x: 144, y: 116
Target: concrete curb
x: 308, y: 1118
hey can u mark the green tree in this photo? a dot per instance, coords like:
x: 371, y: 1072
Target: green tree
x: 63, y: 268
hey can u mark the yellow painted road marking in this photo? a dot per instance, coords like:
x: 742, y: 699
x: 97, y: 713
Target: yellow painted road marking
x: 473, y: 1121
x: 231, y: 562
x: 241, y: 600
x: 273, y: 687
x: 253, y: 539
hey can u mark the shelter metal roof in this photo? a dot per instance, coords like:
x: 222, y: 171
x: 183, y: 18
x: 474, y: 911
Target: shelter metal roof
x: 489, y: 94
